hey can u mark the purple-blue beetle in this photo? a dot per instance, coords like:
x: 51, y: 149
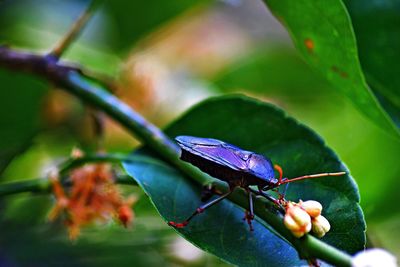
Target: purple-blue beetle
x: 235, y: 166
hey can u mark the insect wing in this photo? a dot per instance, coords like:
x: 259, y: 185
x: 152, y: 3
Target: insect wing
x: 216, y: 151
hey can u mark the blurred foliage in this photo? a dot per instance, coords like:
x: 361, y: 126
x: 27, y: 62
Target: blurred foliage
x: 133, y: 20
x: 278, y: 72
x: 149, y: 243
x: 242, y: 54
x: 20, y: 113
x: 48, y: 21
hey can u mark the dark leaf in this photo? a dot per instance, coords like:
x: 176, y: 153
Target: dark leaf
x: 322, y: 32
x: 259, y: 127
x: 376, y: 26
x: 20, y: 99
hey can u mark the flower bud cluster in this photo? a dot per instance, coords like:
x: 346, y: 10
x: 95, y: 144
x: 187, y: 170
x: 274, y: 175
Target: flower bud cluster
x: 302, y: 217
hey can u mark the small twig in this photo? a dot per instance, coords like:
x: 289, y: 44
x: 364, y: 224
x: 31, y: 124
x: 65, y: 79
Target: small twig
x: 98, y: 124
x: 31, y: 185
x: 75, y: 163
x: 44, y: 185
x: 73, y: 33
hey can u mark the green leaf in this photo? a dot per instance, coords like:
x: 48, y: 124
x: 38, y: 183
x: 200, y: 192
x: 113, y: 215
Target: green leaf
x: 265, y: 129
x: 20, y: 99
x: 376, y: 26
x: 322, y: 32
x: 220, y: 230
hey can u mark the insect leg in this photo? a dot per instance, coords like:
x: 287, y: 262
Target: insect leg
x: 208, y: 192
x: 200, y: 210
x: 249, y: 215
x: 261, y: 193
x: 282, y: 195
x: 270, y: 198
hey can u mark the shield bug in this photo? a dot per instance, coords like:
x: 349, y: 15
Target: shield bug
x: 237, y: 167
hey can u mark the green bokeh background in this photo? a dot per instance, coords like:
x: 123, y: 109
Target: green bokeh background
x: 269, y: 68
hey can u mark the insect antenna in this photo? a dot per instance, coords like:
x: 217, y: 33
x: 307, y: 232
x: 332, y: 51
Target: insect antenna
x: 311, y: 176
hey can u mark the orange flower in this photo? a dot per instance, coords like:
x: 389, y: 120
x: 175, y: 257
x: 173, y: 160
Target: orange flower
x: 93, y: 197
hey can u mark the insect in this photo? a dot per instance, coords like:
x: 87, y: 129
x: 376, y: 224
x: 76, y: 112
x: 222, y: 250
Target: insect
x: 237, y: 167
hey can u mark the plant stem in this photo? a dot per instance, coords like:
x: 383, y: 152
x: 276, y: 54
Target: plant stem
x: 121, y: 112
x: 322, y: 250
x: 43, y: 185
x: 75, y: 30
x: 32, y: 185
x: 72, y: 81
x: 74, y: 163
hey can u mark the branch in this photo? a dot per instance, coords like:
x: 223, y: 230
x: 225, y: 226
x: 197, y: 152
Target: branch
x: 72, y: 81
x: 75, y: 30
x: 74, y: 163
x: 43, y: 185
x: 69, y: 78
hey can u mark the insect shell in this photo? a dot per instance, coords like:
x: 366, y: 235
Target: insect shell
x: 227, y: 162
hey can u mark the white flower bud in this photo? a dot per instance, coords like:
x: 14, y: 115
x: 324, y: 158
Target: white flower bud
x: 320, y: 226
x: 290, y: 223
x: 312, y: 207
x: 297, y: 220
x: 375, y: 257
